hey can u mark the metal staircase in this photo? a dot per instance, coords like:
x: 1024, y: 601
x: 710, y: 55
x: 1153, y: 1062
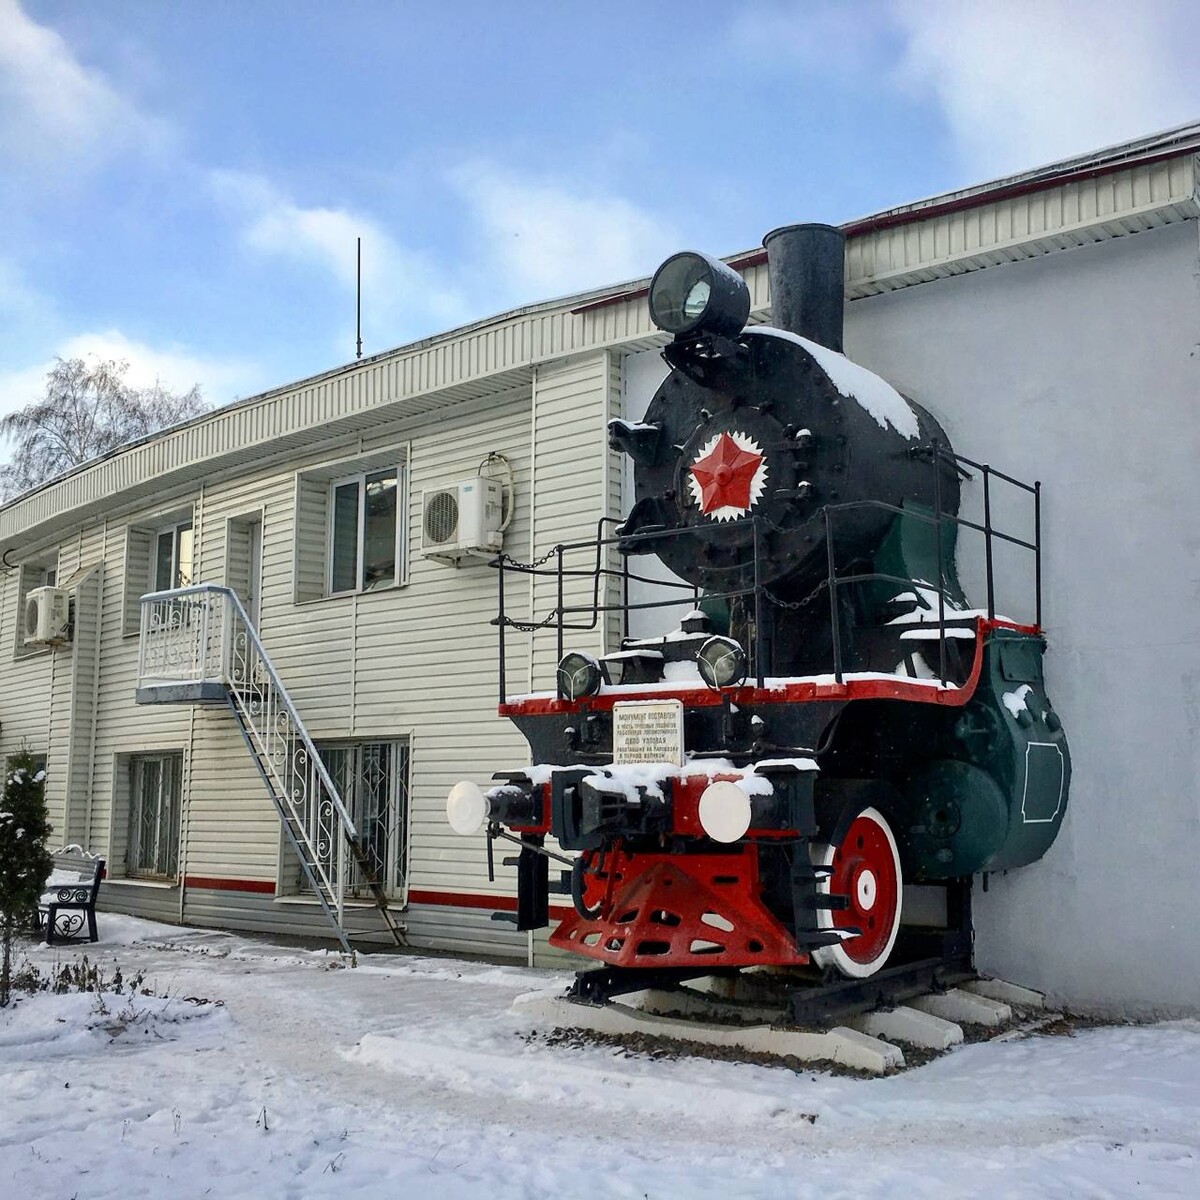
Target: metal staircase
x: 198, y: 645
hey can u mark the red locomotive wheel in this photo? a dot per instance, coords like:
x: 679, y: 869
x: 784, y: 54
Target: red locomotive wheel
x: 866, y: 868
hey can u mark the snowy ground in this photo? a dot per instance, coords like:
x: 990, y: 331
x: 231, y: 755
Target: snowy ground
x: 408, y: 1077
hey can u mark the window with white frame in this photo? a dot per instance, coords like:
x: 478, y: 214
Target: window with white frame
x: 172, y: 558
x: 365, y: 543
x: 155, y: 803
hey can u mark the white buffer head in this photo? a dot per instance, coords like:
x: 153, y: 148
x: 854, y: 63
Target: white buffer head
x: 467, y: 808
x: 724, y: 811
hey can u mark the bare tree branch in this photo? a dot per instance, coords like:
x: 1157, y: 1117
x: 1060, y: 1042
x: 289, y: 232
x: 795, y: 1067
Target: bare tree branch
x: 87, y: 410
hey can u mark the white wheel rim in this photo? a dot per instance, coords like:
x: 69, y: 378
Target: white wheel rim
x: 836, y: 956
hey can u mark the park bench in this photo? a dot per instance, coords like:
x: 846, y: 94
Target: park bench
x: 68, y: 900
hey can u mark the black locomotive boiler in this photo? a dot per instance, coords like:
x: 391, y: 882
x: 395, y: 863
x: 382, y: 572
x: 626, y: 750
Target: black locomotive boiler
x: 831, y: 725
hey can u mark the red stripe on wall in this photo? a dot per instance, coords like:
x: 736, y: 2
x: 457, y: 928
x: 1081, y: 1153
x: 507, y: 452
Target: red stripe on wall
x: 463, y: 900
x: 230, y: 885
x: 474, y: 900
x: 415, y: 896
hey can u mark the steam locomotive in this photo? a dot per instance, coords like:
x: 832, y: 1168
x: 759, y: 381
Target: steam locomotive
x: 831, y: 731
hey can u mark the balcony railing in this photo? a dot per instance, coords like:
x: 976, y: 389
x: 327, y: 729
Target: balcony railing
x: 197, y: 643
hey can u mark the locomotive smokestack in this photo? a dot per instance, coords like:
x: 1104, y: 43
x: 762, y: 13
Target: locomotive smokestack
x: 806, y: 267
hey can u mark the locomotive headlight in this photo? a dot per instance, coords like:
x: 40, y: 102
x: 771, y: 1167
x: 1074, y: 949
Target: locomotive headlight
x: 693, y: 293
x: 579, y: 675
x: 724, y: 811
x: 467, y: 808
x: 721, y: 662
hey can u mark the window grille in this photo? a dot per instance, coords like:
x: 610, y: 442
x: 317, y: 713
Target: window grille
x: 155, y: 801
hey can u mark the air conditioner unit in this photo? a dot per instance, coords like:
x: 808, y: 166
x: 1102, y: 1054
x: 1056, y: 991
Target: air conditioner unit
x: 462, y: 521
x: 47, y: 616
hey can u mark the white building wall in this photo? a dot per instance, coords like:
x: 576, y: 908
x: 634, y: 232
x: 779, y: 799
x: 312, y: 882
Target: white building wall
x: 1082, y: 369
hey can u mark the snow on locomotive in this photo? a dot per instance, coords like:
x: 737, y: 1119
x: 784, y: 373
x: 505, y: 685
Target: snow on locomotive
x: 832, y: 722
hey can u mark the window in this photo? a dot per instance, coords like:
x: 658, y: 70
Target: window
x: 351, y: 528
x: 243, y: 560
x: 372, y: 779
x: 364, y: 541
x: 155, y: 801
x: 172, y: 557
x: 159, y: 556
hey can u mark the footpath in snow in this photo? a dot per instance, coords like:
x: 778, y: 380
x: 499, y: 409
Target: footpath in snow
x: 261, y: 1071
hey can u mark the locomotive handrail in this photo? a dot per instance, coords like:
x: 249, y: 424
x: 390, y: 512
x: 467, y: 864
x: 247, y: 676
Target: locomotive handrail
x: 552, y: 566
x: 970, y: 462
x: 939, y: 454
x: 920, y: 516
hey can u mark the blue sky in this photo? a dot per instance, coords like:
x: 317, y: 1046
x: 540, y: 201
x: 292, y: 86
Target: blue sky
x: 181, y: 183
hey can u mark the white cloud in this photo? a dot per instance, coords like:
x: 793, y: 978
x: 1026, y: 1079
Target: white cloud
x: 21, y: 387
x: 56, y: 115
x: 400, y: 286
x: 1028, y: 81
x: 174, y: 367
x: 525, y: 240
x: 537, y: 238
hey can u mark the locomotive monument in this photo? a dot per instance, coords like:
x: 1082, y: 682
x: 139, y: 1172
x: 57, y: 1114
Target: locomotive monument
x: 832, y: 723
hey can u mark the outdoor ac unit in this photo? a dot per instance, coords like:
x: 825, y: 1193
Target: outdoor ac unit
x: 47, y: 616
x: 462, y: 521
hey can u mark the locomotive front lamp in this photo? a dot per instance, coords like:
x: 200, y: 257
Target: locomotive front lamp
x: 721, y: 663
x: 724, y: 811
x: 692, y: 293
x: 579, y: 675
x: 467, y: 808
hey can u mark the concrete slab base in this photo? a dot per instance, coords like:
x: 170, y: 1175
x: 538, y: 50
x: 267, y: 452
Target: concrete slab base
x: 910, y: 1025
x: 1006, y: 993
x: 693, y: 1004
x: 848, y: 1047
x: 966, y: 1008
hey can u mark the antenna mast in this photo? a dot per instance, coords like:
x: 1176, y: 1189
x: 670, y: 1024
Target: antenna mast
x: 358, y: 303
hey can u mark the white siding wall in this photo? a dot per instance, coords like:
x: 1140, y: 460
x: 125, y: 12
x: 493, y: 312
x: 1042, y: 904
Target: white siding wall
x: 572, y: 483
x: 416, y: 661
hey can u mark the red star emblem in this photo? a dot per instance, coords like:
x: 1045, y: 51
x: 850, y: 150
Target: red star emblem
x: 725, y: 475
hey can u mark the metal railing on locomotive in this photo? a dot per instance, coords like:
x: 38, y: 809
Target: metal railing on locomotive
x: 561, y: 616
x: 202, y: 634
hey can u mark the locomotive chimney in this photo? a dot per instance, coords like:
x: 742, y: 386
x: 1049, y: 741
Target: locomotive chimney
x: 806, y: 267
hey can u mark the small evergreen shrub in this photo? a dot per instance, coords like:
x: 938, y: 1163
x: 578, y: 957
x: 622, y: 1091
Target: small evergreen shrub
x: 25, y: 862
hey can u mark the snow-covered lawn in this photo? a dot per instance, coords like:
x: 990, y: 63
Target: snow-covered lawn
x: 408, y: 1077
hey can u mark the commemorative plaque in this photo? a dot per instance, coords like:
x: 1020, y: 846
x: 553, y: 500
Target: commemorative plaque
x: 648, y: 731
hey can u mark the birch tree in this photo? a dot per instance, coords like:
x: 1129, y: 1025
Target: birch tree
x: 87, y: 410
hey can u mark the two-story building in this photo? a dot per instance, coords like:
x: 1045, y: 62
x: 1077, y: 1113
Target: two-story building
x: 1049, y: 321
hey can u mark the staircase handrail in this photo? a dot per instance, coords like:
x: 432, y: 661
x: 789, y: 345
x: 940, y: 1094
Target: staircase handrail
x: 239, y: 610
